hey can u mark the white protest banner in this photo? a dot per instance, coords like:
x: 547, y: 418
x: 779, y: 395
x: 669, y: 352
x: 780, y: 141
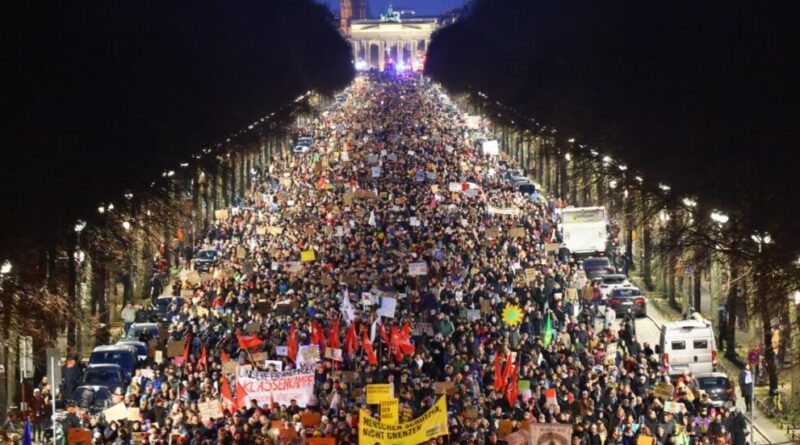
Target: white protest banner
x: 280, y: 387
x: 210, y: 410
x: 511, y: 211
x: 454, y: 187
x: 388, y: 307
x: 418, y: 269
x: 413, y: 221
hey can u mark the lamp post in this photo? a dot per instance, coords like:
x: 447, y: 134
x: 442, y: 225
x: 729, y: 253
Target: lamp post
x: 79, y: 256
x: 5, y: 269
x: 761, y: 239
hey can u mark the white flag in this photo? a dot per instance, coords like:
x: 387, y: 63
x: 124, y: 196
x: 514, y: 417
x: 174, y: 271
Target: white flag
x: 372, y: 218
x: 348, y: 313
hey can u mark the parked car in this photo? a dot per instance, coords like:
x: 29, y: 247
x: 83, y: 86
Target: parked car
x: 299, y: 149
x: 687, y: 345
x: 107, y: 375
x: 94, y: 398
x: 205, y: 259
x: 526, y: 188
x: 597, y: 266
x: 141, y: 348
x: 136, y: 330
x: 307, y: 141
x: 719, y: 387
x: 166, y: 306
x: 610, y: 282
x: 512, y: 174
x: 626, y: 299
x: 124, y: 356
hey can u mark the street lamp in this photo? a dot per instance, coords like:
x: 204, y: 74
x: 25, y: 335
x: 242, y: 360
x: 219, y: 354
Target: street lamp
x: 689, y: 202
x: 126, y: 225
x: 5, y: 269
x: 80, y: 225
x: 664, y: 187
x: 719, y: 217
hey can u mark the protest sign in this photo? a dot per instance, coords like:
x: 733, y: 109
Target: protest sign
x: 210, y: 410
x: 308, y: 355
x: 252, y: 328
x: 673, y: 407
x: 282, y: 351
x: 517, y: 232
x: 334, y: 354
x: 229, y: 367
x: 116, y: 412
x: 419, y: 268
x: 133, y: 413
x: 379, y: 392
x: 308, y: 256
x: 390, y: 412
x: 504, y: 428
x: 473, y: 314
x: 448, y: 388
x: 293, y: 266
x: 517, y: 438
x: 388, y: 307
x: 279, y: 386
x: 277, y: 364
x: 309, y: 419
x: 431, y: 424
x: 422, y: 328
x: 486, y: 306
x: 550, y: 433
x: 79, y: 436
x: 552, y: 247
x: 221, y: 214
x: 175, y: 348
x: 492, y: 232
x: 503, y: 211
x: 530, y: 275
x: 664, y: 391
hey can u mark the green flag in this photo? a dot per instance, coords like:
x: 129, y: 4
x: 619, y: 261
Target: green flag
x: 548, y: 331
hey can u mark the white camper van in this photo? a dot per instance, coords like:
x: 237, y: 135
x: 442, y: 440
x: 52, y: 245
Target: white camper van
x: 584, y: 229
x: 688, y: 345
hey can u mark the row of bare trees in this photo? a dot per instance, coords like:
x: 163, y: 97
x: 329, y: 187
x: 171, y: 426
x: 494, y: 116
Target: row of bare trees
x: 670, y: 238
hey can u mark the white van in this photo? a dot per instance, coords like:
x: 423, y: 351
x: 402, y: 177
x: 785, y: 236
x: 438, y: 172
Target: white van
x: 688, y: 345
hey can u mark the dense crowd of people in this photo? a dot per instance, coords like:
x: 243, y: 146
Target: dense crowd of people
x: 393, y: 204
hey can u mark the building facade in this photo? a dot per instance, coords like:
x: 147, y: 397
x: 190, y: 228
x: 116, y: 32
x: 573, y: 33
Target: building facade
x: 391, y: 39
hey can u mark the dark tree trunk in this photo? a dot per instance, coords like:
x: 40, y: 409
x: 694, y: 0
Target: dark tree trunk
x: 733, y: 302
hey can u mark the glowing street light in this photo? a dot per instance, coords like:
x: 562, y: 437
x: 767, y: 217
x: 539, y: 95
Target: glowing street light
x: 689, y: 202
x: 5, y: 269
x: 622, y: 167
x: 571, y: 140
x: 719, y: 217
x: 607, y: 159
x: 796, y: 296
x: 126, y: 225
x: 612, y: 183
x: 80, y: 225
x: 664, y: 187
x: 568, y: 157
x: 101, y: 210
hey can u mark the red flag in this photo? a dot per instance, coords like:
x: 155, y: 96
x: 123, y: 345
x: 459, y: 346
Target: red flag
x: 499, y: 383
x: 317, y: 335
x: 333, y: 334
x: 405, y: 340
x: 224, y: 356
x: 351, y: 341
x: 204, y: 358
x: 384, y: 335
x: 509, y: 367
x: 395, y: 341
x: 292, y: 353
x: 241, y: 396
x: 512, y: 391
x: 225, y: 392
x: 373, y: 359
x: 248, y: 341
x: 186, y: 347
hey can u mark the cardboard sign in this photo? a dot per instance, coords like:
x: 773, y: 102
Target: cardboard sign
x: 229, y: 367
x: 471, y: 413
x: 349, y: 377
x: 133, y: 414
x: 492, y: 232
x: 281, y: 351
x: 664, y: 391
x: 419, y: 268
x: 309, y: 419
x: 210, y: 410
x: 116, y: 412
x: 552, y: 247
x: 379, y: 392
x: 486, y: 306
x: 79, y: 436
x: 287, y: 434
x: 530, y: 275
x: 504, y: 428
x: 390, y: 412
x: 277, y: 364
x: 175, y: 348
x: 260, y: 356
x: 241, y: 253
x: 137, y: 437
x: 308, y: 256
x: 517, y: 438
x: 274, y: 230
x: 294, y: 266
x: 221, y: 214
x: 261, y: 230
x: 517, y: 232
x: 448, y: 388
x: 334, y: 354
x: 159, y: 357
x: 422, y: 328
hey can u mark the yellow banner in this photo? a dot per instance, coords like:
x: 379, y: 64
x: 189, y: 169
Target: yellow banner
x: 432, y: 424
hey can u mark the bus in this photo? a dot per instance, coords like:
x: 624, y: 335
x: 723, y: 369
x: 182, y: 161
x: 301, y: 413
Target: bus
x: 584, y: 230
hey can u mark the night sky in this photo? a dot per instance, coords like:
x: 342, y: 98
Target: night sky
x: 423, y: 7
